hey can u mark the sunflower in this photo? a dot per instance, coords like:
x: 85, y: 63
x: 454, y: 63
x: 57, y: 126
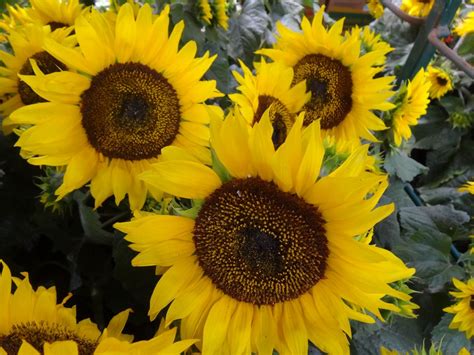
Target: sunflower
x: 468, y: 187
x: 375, y: 8
x: 270, y: 87
x: 343, y: 88
x: 31, y: 322
x: 205, y: 10
x: 268, y: 260
x: 419, y: 8
x: 463, y: 310
x: 440, y: 81
x: 56, y: 13
x: 220, y: 8
x: 413, y: 100
x: 27, y: 43
x: 371, y: 42
x: 466, y: 26
x: 133, y: 94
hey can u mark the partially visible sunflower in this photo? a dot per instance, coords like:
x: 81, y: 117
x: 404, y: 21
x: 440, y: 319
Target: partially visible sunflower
x: 440, y: 81
x: 270, y: 259
x: 344, y: 90
x: 375, y: 8
x: 205, y: 11
x: 463, y: 310
x: 466, y: 26
x: 27, y: 43
x: 32, y: 323
x: 270, y: 88
x: 371, y: 42
x: 13, y: 17
x: 418, y: 8
x: 220, y: 7
x: 413, y: 100
x: 130, y: 93
x: 468, y: 187
x: 55, y: 13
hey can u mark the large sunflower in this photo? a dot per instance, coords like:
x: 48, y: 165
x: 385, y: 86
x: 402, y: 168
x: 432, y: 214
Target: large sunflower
x: 133, y: 94
x: 413, y: 100
x: 270, y: 87
x: 27, y: 43
x: 440, y: 81
x: 31, y: 322
x: 343, y: 88
x: 270, y: 259
x: 419, y: 8
x: 463, y: 310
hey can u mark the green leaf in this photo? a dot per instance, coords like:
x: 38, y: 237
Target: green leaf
x: 246, y: 30
x: 90, y: 221
x: 451, y: 340
x: 400, y: 164
x: 401, y: 334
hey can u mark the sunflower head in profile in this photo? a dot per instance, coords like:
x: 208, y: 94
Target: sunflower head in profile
x: 269, y: 260
x: 463, y: 309
x: 343, y: 88
x: 412, y: 102
x: 26, y: 43
x: 371, y: 41
x: 467, y: 187
x: 375, y: 8
x: 220, y: 12
x: 205, y: 11
x: 441, y: 82
x: 31, y: 322
x: 271, y: 88
x: 418, y: 8
x: 130, y: 93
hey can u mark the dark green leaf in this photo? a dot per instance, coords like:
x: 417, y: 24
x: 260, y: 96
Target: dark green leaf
x: 400, y: 164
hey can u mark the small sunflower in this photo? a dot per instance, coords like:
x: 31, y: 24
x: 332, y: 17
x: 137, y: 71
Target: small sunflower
x: 413, y: 100
x: 468, y: 187
x: 220, y: 8
x: 32, y: 323
x: 463, y: 310
x: 371, y: 42
x: 27, y: 43
x: 270, y: 87
x: 55, y: 13
x: 343, y: 88
x: 466, y: 26
x: 133, y: 94
x: 205, y: 10
x: 440, y: 81
x: 269, y: 260
x: 418, y: 8
x: 375, y: 8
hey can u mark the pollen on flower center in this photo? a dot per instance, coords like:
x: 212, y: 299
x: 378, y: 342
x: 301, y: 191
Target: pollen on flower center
x: 48, y: 64
x: 130, y: 112
x: 281, y: 118
x: 330, y: 83
x: 36, y: 334
x: 259, y: 244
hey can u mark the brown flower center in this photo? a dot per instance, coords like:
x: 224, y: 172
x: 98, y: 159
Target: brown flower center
x: 259, y: 244
x: 330, y: 83
x: 282, y: 120
x: 441, y: 81
x: 36, y: 334
x: 130, y: 112
x: 48, y: 64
